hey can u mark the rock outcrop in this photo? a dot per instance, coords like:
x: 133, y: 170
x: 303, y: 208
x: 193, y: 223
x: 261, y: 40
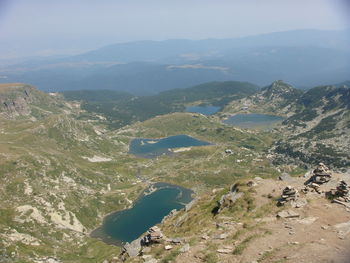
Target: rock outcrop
x: 229, y: 199
x: 154, y: 235
x: 133, y: 249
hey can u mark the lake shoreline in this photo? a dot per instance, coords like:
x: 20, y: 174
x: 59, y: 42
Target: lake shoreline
x: 99, y: 232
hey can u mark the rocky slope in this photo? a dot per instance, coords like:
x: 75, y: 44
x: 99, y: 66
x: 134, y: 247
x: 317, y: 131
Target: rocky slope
x: 58, y: 178
x: 279, y: 97
x: 19, y: 100
x: 317, y: 122
x: 319, y: 129
x: 60, y: 174
x: 246, y: 224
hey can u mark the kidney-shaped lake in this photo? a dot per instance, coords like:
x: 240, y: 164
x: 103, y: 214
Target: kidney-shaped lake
x: 253, y: 120
x: 151, y: 148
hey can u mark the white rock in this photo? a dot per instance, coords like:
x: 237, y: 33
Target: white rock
x: 168, y: 247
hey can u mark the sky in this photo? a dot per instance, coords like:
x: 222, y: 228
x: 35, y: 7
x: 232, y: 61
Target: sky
x: 54, y: 27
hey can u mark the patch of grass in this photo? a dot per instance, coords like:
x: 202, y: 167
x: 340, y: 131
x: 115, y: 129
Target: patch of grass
x: 211, y: 257
x: 243, y: 245
x: 171, y: 256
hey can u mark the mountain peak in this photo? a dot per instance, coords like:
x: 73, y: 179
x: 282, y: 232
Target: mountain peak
x: 280, y: 89
x: 278, y: 85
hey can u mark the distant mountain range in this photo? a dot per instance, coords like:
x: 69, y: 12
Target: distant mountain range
x: 304, y: 58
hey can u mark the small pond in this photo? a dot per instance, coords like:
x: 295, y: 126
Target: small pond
x: 150, y: 148
x: 253, y: 120
x: 148, y: 210
x: 206, y: 110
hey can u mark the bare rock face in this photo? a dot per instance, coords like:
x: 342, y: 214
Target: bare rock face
x: 16, y: 105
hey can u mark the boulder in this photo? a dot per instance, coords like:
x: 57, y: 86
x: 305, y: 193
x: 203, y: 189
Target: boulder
x: 221, y: 236
x: 225, y: 250
x: 287, y: 214
x: 285, y: 177
x: 185, y: 248
x: 174, y: 240
x: 168, y: 247
x: 229, y: 199
x: 205, y: 237
x: 133, y: 249
x: 154, y: 235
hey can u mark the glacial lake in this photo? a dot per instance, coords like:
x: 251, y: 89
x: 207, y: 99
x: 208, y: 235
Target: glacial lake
x: 150, y: 148
x: 148, y: 210
x: 206, y: 110
x: 253, y: 120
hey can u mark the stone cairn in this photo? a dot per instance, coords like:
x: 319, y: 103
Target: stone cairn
x: 320, y: 175
x: 341, y: 193
x: 288, y: 194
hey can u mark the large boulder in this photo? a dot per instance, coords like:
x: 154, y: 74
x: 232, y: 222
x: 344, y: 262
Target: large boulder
x: 154, y: 235
x: 133, y: 249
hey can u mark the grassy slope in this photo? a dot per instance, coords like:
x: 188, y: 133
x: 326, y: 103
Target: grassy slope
x: 43, y: 153
x: 120, y: 110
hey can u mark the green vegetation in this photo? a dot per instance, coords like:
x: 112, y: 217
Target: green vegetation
x: 63, y: 170
x: 121, y: 108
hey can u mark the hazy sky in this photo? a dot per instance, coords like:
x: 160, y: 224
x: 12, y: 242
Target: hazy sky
x: 39, y: 27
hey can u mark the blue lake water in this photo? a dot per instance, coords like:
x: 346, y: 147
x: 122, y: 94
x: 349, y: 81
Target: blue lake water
x: 147, y: 211
x: 253, y: 120
x: 206, y: 110
x: 151, y: 148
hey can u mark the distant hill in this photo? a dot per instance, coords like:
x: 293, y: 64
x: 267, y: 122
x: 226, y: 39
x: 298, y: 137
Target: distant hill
x: 96, y: 95
x: 121, y: 109
x: 18, y: 100
x: 320, y: 128
x: 277, y: 98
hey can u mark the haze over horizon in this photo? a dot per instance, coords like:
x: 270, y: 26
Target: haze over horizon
x: 42, y: 28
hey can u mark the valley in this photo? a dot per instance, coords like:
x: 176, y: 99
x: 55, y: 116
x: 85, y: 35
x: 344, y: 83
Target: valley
x: 175, y: 131
x: 66, y: 165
